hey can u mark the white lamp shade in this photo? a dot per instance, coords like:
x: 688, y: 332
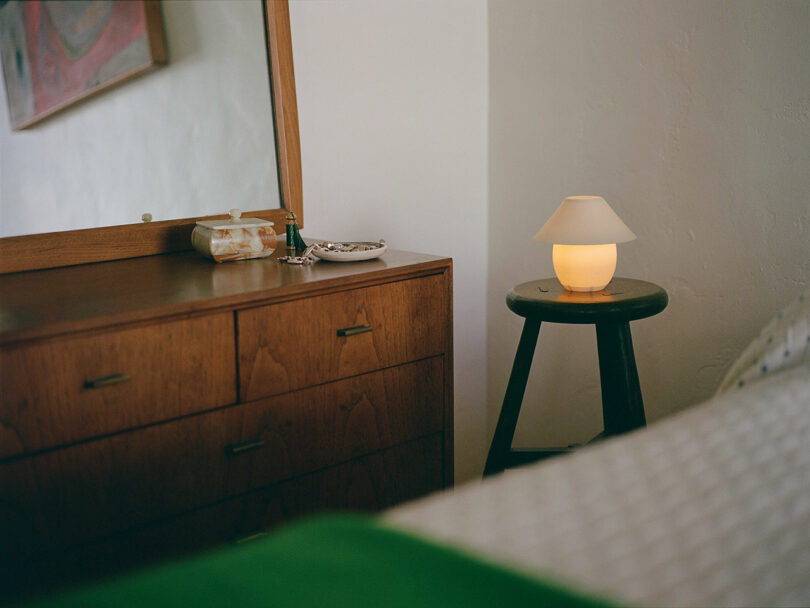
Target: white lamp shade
x: 584, y: 220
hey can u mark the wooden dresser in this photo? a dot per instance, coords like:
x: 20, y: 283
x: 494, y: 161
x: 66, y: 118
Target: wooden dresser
x: 160, y: 404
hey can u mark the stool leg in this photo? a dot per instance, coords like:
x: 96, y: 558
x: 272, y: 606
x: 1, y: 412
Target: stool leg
x: 622, y: 406
x: 507, y: 421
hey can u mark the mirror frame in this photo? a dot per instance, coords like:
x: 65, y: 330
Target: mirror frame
x: 71, y: 247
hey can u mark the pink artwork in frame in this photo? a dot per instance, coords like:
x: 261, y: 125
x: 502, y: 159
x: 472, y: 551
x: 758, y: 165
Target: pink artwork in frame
x: 55, y: 53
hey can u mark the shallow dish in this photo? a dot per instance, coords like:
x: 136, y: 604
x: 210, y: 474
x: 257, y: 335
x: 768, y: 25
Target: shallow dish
x: 351, y: 251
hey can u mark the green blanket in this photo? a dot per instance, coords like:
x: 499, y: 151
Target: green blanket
x: 330, y: 561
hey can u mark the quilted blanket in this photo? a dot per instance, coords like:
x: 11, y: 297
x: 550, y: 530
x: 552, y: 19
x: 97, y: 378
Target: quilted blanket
x: 710, y: 507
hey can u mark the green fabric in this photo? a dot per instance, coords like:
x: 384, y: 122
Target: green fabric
x: 330, y: 561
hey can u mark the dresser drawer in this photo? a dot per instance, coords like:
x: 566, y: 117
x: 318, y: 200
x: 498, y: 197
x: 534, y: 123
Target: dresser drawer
x: 169, y: 538
x: 285, y: 347
x: 335, y: 422
x: 48, y: 396
x: 92, y: 489
x: 370, y: 483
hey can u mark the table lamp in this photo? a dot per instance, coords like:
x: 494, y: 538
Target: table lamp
x: 584, y: 231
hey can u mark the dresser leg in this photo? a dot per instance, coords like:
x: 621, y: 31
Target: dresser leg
x: 510, y: 410
x: 622, y: 406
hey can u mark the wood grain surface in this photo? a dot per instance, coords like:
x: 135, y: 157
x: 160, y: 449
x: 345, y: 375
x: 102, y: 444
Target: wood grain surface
x: 285, y: 108
x: 317, y: 427
x: 89, y: 490
x: 47, y: 303
x: 365, y: 484
x: 406, y: 318
x: 94, y: 488
x: 622, y: 300
x: 174, y: 368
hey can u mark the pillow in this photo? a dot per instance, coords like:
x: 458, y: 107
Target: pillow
x: 783, y: 343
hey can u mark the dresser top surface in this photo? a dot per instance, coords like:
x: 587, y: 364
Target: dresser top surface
x: 57, y: 301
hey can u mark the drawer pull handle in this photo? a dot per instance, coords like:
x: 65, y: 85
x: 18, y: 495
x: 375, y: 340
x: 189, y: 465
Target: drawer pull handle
x: 106, y: 381
x: 353, y: 331
x: 245, y: 446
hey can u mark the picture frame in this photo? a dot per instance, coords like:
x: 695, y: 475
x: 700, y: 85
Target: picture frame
x: 55, y: 54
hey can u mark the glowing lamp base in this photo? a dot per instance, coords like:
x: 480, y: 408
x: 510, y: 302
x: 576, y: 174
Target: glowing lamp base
x: 584, y: 267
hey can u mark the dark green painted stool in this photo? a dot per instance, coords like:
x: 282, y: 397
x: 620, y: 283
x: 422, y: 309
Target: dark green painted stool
x: 611, y: 311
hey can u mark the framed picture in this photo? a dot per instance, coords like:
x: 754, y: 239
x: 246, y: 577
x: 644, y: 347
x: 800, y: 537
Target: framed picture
x: 55, y: 53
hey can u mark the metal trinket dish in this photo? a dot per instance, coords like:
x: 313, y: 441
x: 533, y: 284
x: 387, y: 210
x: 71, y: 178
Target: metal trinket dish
x: 234, y: 239
x: 353, y: 251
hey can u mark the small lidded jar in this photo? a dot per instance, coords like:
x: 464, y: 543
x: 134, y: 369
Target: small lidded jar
x: 234, y: 239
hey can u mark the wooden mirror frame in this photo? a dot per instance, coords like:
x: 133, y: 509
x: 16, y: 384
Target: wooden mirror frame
x: 71, y: 247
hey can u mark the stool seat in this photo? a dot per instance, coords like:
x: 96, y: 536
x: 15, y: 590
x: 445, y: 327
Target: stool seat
x: 621, y: 300
x: 610, y: 310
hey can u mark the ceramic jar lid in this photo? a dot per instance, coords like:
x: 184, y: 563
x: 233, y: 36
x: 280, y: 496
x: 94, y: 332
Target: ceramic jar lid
x: 236, y: 221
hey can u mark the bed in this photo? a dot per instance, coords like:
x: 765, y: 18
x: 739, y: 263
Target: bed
x: 710, y: 507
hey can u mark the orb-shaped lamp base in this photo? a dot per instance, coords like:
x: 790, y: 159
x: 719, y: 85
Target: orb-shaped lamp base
x: 584, y: 267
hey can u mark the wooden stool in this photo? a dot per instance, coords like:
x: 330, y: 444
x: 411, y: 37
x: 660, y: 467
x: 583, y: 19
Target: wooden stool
x: 611, y: 310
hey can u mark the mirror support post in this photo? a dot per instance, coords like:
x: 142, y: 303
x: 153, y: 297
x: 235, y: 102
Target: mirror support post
x: 285, y: 105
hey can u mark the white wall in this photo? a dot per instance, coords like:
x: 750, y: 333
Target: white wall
x: 392, y: 101
x: 692, y: 119
x: 188, y: 139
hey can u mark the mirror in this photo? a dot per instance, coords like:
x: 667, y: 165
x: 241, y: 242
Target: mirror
x: 237, y: 149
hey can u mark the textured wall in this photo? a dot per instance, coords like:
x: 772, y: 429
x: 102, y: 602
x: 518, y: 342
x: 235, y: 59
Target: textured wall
x: 392, y: 101
x: 693, y: 120
x: 192, y: 138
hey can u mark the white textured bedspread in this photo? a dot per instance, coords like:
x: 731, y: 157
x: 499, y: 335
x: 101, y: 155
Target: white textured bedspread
x: 710, y: 507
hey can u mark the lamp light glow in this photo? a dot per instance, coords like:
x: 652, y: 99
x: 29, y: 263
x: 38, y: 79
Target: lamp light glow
x: 584, y: 231
x: 584, y: 267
